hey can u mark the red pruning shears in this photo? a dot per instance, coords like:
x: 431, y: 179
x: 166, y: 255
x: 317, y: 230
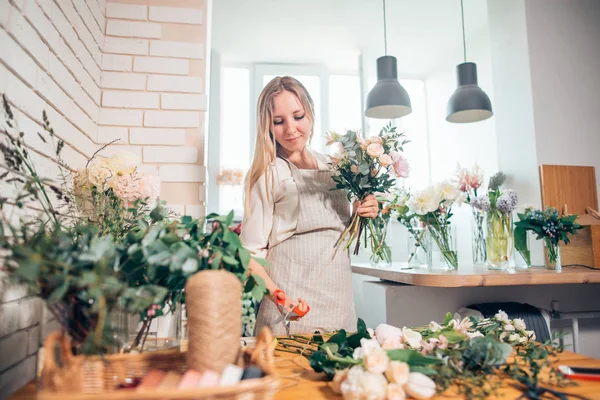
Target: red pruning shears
x: 287, y: 316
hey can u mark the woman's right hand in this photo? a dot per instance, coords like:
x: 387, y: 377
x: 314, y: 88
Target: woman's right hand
x: 280, y: 296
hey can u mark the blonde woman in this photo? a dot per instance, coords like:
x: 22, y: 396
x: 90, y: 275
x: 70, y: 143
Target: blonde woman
x: 293, y: 218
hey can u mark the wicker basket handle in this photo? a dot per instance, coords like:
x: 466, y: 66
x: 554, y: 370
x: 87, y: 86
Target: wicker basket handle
x: 264, y: 353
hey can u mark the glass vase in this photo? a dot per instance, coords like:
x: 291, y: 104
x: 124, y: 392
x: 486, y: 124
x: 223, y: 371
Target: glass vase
x: 478, y: 232
x: 444, y: 255
x: 119, y: 328
x: 419, y: 253
x: 552, y: 255
x: 522, y: 257
x: 500, y: 240
x: 381, y: 257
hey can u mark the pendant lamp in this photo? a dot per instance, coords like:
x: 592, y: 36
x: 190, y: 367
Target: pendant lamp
x: 388, y: 99
x: 468, y: 103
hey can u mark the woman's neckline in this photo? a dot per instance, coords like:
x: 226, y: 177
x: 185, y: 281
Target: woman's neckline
x: 312, y: 153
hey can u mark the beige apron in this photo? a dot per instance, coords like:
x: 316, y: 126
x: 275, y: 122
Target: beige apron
x: 302, y: 265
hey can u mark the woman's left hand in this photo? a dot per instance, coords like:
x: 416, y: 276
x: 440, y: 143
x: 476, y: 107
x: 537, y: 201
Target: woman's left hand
x: 368, y: 208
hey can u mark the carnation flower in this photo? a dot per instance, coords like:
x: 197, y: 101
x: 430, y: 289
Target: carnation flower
x: 127, y: 187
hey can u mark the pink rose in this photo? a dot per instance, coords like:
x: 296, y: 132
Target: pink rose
x: 375, y: 150
x: 364, y: 143
x: 385, y: 160
x: 376, y: 139
x: 401, y: 166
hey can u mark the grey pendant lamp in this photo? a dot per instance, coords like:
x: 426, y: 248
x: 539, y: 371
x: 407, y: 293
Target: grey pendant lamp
x: 388, y: 99
x: 468, y: 103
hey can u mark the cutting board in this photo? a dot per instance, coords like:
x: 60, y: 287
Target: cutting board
x: 575, y: 187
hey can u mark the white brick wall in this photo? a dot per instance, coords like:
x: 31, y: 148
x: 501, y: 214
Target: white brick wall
x: 173, y: 14
x: 133, y: 29
x: 182, y: 173
x: 128, y: 83
x: 123, y: 80
x: 157, y: 136
x: 170, y: 154
x: 130, y: 99
x: 114, y: 62
x: 172, y: 83
x: 176, y: 49
x: 172, y: 119
x: 161, y: 65
x: 172, y: 101
x: 126, y: 11
x: 107, y: 134
x: 125, y: 45
x: 117, y: 117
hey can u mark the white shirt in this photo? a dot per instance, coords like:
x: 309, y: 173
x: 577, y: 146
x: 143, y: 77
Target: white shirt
x: 273, y: 208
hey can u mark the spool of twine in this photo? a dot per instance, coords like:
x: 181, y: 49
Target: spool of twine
x: 214, y: 312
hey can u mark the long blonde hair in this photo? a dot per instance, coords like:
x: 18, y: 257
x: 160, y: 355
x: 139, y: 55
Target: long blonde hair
x: 267, y: 148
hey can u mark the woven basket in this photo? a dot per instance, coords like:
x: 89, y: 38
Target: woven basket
x: 69, y: 377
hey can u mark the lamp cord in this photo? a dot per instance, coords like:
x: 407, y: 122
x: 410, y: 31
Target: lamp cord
x: 385, y: 29
x: 462, y: 13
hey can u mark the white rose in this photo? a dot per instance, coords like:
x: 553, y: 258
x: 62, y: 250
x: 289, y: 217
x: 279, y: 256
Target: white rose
x: 411, y: 337
x: 530, y: 335
x: 124, y: 162
x: 376, y: 361
x: 519, y: 324
x: 514, y: 338
x: 363, y: 384
x: 502, y: 316
x: 447, y: 190
x: 397, y: 372
x: 392, y: 343
x: 395, y: 392
x: 475, y: 334
x: 522, y: 339
x: 434, y: 326
x: 338, y: 379
x: 419, y: 386
x: 423, y: 202
x: 509, y: 328
x: 384, y: 331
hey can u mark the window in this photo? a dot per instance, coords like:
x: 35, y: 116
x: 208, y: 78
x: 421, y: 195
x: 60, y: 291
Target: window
x: 234, y: 154
x: 337, y: 99
x: 415, y: 126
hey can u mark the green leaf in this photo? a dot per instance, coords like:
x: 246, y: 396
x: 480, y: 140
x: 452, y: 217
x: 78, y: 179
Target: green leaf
x: 448, y: 318
x: 412, y: 357
x: 333, y: 347
x: 161, y: 258
x: 244, y: 256
x: 260, y: 288
x: 339, y: 337
x: 232, y: 238
x: 190, y: 266
x: 230, y: 260
x: 262, y: 261
x: 60, y: 291
x: 423, y: 370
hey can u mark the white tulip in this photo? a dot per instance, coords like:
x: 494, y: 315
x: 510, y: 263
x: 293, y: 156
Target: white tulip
x: 397, y: 372
x: 411, y: 337
x: 376, y: 361
x: 384, y: 332
x: 395, y: 392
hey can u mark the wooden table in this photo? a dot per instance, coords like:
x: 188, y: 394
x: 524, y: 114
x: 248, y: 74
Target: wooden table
x: 299, y: 381
x: 480, y: 276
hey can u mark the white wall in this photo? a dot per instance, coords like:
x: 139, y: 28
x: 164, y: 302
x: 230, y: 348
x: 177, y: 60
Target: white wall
x: 466, y: 144
x: 564, y: 54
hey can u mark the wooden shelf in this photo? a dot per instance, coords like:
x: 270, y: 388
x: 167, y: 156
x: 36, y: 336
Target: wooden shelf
x: 479, y: 276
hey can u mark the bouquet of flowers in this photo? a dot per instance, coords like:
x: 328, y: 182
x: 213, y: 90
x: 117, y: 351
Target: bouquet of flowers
x: 395, y: 363
x: 469, y: 180
x: 110, y: 192
x: 548, y: 226
x: 433, y: 207
x: 365, y: 166
x: 498, y: 206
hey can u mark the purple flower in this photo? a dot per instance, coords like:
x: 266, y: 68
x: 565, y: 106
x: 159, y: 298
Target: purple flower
x: 507, y: 202
x: 481, y: 202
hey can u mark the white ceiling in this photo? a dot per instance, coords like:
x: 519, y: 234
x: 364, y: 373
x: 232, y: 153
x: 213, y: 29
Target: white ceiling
x: 335, y: 32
